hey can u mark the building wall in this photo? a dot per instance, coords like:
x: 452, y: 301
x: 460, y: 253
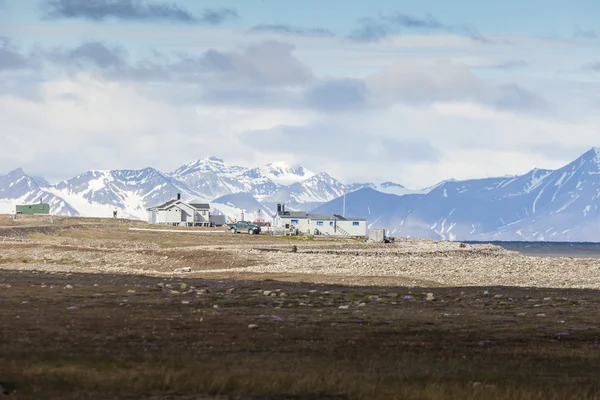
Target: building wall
x: 152, y: 216
x: 300, y: 223
x: 325, y: 226
x: 179, y: 212
x: 202, y: 216
x: 33, y: 209
x: 171, y: 215
x: 352, y: 229
x: 332, y: 227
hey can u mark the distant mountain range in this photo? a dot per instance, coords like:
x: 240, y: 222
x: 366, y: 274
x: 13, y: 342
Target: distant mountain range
x: 559, y: 205
x: 229, y: 188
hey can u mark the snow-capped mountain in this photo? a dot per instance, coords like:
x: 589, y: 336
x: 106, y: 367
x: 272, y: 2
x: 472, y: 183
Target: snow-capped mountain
x: 212, y: 177
x: 130, y: 192
x: 281, y: 173
x: 560, y: 205
x: 233, y: 205
x: 385, y: 187
x: 307, y: 194
x: 94, y: 193
x: 18, y: 188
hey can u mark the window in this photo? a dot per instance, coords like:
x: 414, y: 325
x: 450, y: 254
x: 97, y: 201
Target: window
x: 295, y: 222
x: 319, y: 223
x: 330, y: 223
x: 355, y: 223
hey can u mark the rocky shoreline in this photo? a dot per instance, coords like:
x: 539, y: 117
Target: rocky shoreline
x: 410, y: 261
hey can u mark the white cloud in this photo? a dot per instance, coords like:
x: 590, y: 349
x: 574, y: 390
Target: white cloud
x: 416, y: 111
x: 87, y: 123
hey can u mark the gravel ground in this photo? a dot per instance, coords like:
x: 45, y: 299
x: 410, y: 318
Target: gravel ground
x: 411, y: 261
x: 442, y: 262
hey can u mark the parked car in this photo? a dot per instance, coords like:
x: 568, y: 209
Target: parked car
x: 244, y: 226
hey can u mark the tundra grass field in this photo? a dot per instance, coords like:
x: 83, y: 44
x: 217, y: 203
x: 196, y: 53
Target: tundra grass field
x: 91, y: 310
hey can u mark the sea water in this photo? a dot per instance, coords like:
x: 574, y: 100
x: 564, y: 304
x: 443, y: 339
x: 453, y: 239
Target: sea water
x: 552, y: 249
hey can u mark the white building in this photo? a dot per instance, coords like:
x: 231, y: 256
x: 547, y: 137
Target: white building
x: 179, y: 212
x: 321, y: 224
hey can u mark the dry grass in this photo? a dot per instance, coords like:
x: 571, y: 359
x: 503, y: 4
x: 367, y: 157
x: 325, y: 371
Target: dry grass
x: 116, y: 336
x: 118, y: 344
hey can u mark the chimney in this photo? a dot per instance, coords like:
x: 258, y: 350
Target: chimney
x: 278, y: 208
x: 178, y: 196
x: 283, y: 208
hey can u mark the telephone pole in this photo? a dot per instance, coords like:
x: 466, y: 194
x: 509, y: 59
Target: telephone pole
x: 344, y: 204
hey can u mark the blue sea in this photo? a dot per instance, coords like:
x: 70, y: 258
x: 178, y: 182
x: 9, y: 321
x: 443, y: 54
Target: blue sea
x: 552, y: 249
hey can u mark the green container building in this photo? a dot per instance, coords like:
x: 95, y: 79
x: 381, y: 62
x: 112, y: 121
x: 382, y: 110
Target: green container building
x: 41, y: 208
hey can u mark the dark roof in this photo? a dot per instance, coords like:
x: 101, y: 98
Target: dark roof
x: 200, y: 205
x: 197, y: 206
x: 164, y: 205
x: 321, y: 216
x: 333, y: 217
x: 293, y: 214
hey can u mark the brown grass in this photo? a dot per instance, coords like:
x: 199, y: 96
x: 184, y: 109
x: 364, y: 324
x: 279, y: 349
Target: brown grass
x: 138, y: 345
x: 146, y: 344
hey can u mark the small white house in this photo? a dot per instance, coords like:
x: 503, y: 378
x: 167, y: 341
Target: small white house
x: 179, y: 212
x: 336, y: 225
x: 321, y: 224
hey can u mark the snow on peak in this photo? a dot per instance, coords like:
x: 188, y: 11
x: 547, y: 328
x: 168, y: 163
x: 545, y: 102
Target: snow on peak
x: 392, y: 184
x: 592, y: 155
x: 16, y: 173
x: 282, y: 172
x: 587, y: 163
x: 207, y: 164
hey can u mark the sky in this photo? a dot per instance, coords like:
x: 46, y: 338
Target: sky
x: 402, y: 91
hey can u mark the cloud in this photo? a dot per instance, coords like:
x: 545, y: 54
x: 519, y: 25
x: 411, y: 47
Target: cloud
x: 337, y: 95
x: 94, y: 136
x: 512, y: 64
x: 94, y: 53
x: 268, y: 64
x: 410, y: 83
x: 317, y: 143
x: 132, y: 10
x: 594, y: 67
x: 268, y: 74
x: 586, y: 33
x: 515, y: 98
x: 370, y: 30
x: 292, y: 30
x: 10, y: 57
x: 375, y: 29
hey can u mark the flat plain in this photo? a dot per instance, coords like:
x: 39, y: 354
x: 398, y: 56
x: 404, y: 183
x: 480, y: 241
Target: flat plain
x: 92, y: 310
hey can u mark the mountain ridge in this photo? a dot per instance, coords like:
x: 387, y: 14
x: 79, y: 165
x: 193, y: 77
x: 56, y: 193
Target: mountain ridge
x: 541, y: 204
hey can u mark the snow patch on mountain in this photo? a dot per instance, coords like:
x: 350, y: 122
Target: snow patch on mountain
x: 281, y: 173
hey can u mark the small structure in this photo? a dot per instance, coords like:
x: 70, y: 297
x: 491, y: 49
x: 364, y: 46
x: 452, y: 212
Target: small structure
x: 40, y: 208
x: 376, y: 236
x: 319, y: 224
x: 178, y: 212
x: 217, y: 220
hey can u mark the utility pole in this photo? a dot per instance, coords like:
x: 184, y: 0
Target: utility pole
x: 344, y: 204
